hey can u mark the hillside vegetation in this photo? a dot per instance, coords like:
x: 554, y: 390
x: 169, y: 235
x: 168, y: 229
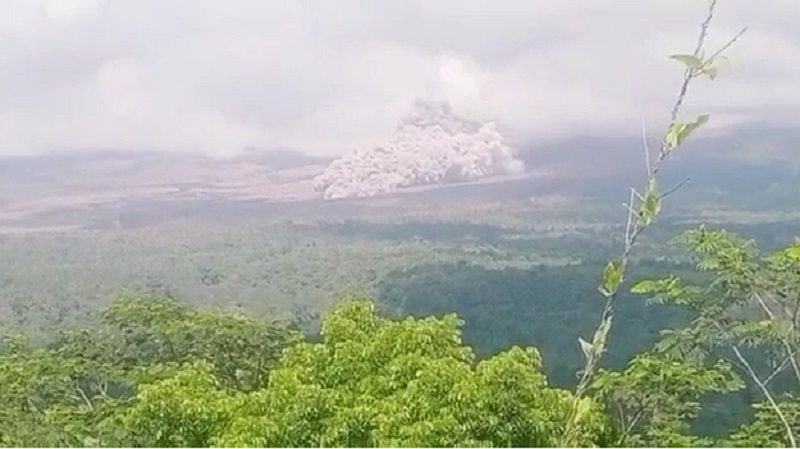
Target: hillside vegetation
x: 155, y: 372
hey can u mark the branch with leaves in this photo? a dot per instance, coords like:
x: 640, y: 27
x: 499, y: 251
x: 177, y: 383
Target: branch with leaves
x: 745, y: 315
x: 645, y: 206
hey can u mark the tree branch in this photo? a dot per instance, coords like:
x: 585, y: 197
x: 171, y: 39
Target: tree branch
x: 674, y: 188
x: 768, y: 395
x: 790, y: 352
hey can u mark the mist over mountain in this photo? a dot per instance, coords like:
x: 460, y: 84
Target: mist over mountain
x: 436, y: 158
x: 278, y: 158
x: 747, y: 157
x: 431, y: 145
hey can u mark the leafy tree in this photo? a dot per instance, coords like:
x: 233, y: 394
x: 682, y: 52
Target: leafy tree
x: 378, y: 382
x: 768, y: 429
x: 159, y: 330
x: 746, y: 315
x: 74, y: 391
x: 183, y: 410
x: 545, y: 307
x: 52, y: 397
x: 655, y: 398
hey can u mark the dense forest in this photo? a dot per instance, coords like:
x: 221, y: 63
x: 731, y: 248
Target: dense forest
x: 157, y: 372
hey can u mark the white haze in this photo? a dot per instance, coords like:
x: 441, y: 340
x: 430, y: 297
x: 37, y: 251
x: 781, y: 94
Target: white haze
x: 324, y: 76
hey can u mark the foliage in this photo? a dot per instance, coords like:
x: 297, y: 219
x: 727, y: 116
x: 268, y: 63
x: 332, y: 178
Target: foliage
x: 644, y: 207
x: 183, y: 410
x: 157, y: 373
x: 63, y: 280
x: 766, y: 429
x: 160, y: 330
x: 55, y: 281
x: 371, y: 381
x: 747, y: 315
x: 654, y: 398
x: 377, y: 382
x: 70, y: 392
x: 545, y: 307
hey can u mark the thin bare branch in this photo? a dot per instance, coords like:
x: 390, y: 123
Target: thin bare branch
x: 777, y: 370
x: 790, y: 352
x: 776, y: 408
x: 646, y: 149
x: 85, y: 399
x: 727, y: 45
x: 674, y: 188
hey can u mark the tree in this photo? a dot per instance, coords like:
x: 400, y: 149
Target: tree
x: 159, y: 330
x: 56, y: 396
x: 370, y: 382
x: 747, y: 315
x: 77, y: 390
x: 655, y: 398
x: 183, y: 410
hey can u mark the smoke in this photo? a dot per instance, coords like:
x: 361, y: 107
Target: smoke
x: 431, y: 145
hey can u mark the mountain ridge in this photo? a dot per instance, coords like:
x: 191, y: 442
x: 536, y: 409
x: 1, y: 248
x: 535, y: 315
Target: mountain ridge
x: 742, y: 162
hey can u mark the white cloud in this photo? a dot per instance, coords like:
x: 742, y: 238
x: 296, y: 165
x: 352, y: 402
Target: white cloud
x: 211, y: 76
x: 69, y: 11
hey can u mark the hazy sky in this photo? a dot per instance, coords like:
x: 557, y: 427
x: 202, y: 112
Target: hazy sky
x: 327, y: 75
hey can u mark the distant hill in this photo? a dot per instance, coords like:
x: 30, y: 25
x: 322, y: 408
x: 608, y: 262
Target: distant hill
x: 83, y: 186
x: 279, y: 158
x: 747, y: 158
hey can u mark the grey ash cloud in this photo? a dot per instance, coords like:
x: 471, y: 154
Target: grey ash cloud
x: 327, y: 76
x: 432, y: 145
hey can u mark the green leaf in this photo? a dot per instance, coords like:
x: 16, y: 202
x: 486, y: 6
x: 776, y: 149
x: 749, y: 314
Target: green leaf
x: 600, y: 336
x: 710, y: 70
x: 677, y: 132
x: 612, y: 278
x: 586, y: 348
x: 690, y: 61
x: 651, y: 204
x: 583, y: 409
x: 644, y: 287
x: 793, y: 252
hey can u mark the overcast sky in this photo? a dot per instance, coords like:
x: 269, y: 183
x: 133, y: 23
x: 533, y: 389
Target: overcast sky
x: 324, y: 76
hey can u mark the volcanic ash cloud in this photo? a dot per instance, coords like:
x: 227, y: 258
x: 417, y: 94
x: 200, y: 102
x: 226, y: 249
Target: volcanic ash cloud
x: 432, y: 145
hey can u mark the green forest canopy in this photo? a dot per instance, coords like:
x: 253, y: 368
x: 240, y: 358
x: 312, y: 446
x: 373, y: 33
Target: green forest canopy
x: 160, y: 373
